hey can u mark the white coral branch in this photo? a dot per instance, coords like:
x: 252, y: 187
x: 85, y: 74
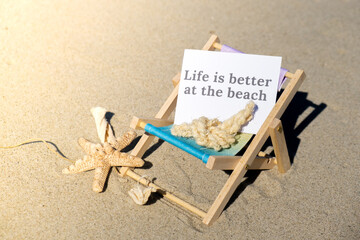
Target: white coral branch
x: 212, y: 133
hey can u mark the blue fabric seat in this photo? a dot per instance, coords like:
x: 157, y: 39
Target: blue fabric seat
x: 189, y: 145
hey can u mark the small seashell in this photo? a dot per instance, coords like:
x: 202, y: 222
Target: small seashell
x: 140, y: 195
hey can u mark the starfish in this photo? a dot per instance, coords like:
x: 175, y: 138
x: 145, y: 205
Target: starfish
x: 103, y: 157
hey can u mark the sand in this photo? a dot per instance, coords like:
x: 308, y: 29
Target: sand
x: 60, y: 58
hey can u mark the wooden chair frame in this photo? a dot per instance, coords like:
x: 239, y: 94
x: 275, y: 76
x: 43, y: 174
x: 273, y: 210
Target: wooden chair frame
x: 253, y: 158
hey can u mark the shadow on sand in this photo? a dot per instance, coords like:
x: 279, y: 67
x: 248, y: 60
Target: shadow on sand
x: 297, y: 111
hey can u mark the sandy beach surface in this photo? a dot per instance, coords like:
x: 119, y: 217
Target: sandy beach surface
x: 60, y: 58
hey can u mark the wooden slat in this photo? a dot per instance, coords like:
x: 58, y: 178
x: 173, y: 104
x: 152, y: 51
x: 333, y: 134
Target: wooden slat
x: 169, y: 105
x: 254, y: 147
x: 262, y: 163
x: 166, y: 194
x: 209, y: 45
x: 230, y: 162
x: 217, y: 45
x: 135, y: 122
x: 276, y: 132
x: 289, y: 75
x: 222, y: 162
x: 176, y: 79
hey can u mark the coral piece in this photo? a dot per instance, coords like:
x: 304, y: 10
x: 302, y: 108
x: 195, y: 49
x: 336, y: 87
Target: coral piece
x: 102, y: 158
x: 212, y: 133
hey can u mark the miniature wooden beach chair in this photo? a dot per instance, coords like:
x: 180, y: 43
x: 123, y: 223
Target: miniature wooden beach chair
x: 252, y: 158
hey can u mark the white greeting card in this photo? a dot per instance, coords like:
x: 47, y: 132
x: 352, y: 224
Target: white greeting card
x: 220, y: 84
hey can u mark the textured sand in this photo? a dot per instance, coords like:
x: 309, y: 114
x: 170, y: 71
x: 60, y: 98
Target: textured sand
x: 60, y: 58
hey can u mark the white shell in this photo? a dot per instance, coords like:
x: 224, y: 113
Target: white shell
x: 104, y: 129
x: 140, y: 195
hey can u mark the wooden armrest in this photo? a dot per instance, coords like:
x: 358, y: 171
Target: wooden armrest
x: 230, y: 162
x: 136, y: 122
x: 176, y: 79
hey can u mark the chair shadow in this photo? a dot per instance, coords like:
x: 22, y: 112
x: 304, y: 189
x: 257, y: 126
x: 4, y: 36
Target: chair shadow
x: 108, y: 117
x: 292, y: 130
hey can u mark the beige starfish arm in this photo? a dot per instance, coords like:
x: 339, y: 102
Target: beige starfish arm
x: 95, y: 150
x: 125, y: 160
x: 124, y: 140
x: 101, y: 174
x: 82, y: 165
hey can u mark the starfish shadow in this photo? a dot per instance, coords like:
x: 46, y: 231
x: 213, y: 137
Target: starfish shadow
x: 107, y: 180
x: 108, y: 117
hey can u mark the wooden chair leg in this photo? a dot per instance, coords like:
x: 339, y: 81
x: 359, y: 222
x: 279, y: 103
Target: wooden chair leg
x: 230, y: 162
x: 249, y: 156
x: 136, y: 122
x: 276, y: 132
